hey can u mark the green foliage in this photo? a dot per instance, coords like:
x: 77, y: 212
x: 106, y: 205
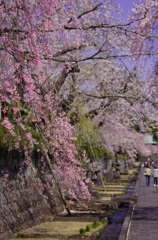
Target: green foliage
x: 6, y: 139
x: 96, y: 224
x: 136, y: 127
x: 82, y: 231
x: 9, y: 141
x: 138, y: 157
x: 35, y: 134
x: 86, y: 135
x: 87, y: 228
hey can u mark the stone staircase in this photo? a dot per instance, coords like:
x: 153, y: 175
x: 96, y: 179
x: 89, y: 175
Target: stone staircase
x: 115, y: 187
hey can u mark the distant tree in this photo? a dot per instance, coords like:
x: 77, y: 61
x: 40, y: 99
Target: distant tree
x: 144, y: 43
x: 144, y: 31
x: 114, y: 99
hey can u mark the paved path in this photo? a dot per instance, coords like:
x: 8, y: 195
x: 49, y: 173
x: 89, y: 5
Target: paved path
x: 144, y: 221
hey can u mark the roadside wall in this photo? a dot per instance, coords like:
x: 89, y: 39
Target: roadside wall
x: 23, y: 205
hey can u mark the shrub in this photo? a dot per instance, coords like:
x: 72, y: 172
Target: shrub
x: 87, y: 228
x: 82, y: 231
x: 95, y: 224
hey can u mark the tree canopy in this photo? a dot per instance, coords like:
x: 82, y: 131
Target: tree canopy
x: 54, y: 53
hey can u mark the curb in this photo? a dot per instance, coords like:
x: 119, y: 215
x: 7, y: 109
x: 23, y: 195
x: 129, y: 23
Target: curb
x: 127, y: 222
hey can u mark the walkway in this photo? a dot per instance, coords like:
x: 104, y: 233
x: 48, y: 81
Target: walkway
x: 144, y: 221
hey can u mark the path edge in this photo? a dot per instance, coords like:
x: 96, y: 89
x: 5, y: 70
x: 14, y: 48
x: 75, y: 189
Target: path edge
x: 127, y: 221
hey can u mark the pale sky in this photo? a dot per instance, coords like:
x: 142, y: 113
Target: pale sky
x: 126, y: 5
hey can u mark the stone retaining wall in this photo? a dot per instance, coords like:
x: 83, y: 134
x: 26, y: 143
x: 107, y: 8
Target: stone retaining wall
x: 22, y: 205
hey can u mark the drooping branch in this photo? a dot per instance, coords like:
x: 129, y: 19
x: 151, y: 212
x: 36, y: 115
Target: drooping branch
x: 96, y: 57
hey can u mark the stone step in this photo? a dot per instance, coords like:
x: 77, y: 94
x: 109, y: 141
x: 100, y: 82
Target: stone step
x: 121, y: 180
x: 116, y: 184
x: 110, y: 195
x: 125, y: 177
x: 112, y: 192
x: 111, y: 185
x: 107, y: 190
x: 130, y: 172
x: 106, y: 198
x: 107, y: 187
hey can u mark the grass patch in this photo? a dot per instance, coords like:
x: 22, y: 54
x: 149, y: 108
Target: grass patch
x: 90, y: 227
x: 64, y: 228
x: 36, y: 238
x: 41, y: 238
x: 51, y: 230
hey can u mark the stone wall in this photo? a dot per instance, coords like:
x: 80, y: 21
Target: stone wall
x: 23, y: 205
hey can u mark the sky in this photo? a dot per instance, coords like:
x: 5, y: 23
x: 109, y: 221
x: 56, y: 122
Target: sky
x: 126, y: 5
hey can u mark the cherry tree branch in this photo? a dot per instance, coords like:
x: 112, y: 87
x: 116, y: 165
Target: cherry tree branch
x: 86, y: 12
x: 110, y: 96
